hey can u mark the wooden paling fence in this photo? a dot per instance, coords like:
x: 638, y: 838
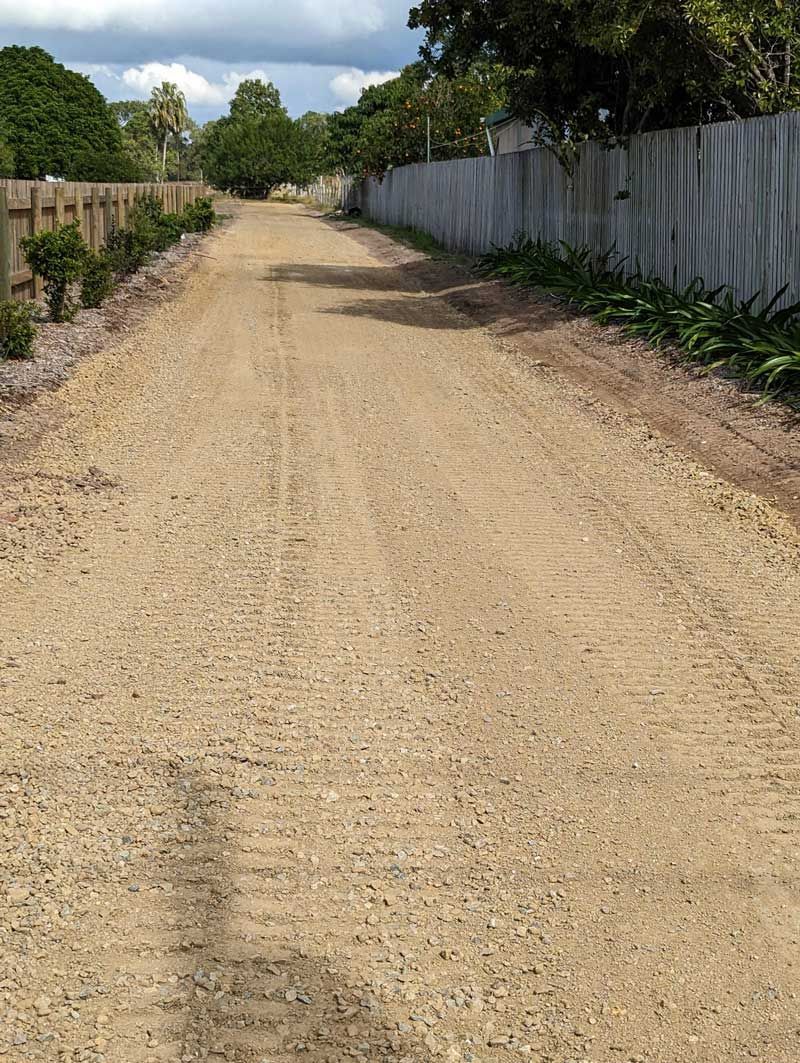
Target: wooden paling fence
x: 29, y: 206
x: 331, y: 191
x: 721, y: 202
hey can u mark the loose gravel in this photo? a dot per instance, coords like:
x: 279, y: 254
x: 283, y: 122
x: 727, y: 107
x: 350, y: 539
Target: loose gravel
x: 369, y: 693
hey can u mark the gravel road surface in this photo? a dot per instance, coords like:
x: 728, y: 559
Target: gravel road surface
x: 369, y: 692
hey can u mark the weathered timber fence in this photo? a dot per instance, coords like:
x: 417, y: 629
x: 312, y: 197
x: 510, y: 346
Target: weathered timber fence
x: 720, y: 201
x: 29, y: 206
x: 332, y: 191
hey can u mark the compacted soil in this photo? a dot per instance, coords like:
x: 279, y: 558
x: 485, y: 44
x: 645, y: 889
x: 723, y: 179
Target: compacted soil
x: 370, y: 691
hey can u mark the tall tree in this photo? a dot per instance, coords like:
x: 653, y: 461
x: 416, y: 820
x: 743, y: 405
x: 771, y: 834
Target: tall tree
x: 139, y: 139
x: 257, y: 146
x: 254, y: 99
x: 609, y: 68
x: 55, y: 121
x: 754, y: 46
x: 168, y: 115
x: 389, y: 124
x: 314, y: 129
x: 253, y: 155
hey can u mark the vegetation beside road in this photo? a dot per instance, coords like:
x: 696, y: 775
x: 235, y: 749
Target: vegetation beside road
x: 54, y: 121
x: 711, y: 329
x: 389, y: 124
x: 604, y: 71
x: 256, y: 147
x: 74, y: 275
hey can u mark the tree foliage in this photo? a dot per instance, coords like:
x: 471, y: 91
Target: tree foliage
x: 257, y: 146
x: 138, y: 138
x: 55, y: 121
x: 253, y: 155
x: 7, y: 160
x: 388, y: 125
x: 168, y: 116
x: 609, y: 68
x: 145, y: 149
x: 254, y: 99
x: 315, y: 130
x: 58, y: 257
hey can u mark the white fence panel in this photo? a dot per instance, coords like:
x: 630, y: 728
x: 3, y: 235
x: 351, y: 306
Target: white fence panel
x: 721, y: 202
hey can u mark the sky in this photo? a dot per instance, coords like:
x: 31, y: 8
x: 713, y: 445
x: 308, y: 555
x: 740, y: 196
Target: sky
x: 319, y: 53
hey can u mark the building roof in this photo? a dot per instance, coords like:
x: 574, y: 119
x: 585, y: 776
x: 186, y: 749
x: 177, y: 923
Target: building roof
x: 496, y: 117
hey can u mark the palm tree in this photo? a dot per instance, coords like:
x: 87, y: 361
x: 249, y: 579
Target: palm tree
x: 168, y: 115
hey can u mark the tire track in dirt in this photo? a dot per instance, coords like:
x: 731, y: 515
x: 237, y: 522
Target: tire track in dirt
x: 621, y: 510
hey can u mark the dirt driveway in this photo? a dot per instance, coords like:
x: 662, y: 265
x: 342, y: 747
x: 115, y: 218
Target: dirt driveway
x: 368, y: 693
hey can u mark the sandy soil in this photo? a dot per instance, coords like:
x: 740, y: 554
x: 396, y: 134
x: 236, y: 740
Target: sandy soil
x: 368, y: 691
x: 713, y: 418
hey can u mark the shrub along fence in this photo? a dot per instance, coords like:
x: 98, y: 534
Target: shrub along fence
x: 28, y: 207
x: 721, y: 202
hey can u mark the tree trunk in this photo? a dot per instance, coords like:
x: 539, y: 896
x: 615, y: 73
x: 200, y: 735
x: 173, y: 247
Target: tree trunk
x: 164, y: 160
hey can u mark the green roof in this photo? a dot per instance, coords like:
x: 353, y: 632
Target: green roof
x: 496, y: 117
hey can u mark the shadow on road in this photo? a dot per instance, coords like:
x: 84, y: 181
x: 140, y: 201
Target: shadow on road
x: 248, y: 991
x: 437, y: 285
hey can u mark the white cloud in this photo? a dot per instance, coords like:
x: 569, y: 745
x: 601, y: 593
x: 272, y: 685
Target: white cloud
x: 93, y: 69
x: 347, y: 86
x: 196, y: 88
x: 330, y: 20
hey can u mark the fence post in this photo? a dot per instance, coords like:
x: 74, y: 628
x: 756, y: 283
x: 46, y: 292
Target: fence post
x: 59, y: 198
x: 79, y: 210
x: 108, y: 211
x: 36, y: 227
x: 6, y: 248
x: 119, y: 212
x: 95, y: 216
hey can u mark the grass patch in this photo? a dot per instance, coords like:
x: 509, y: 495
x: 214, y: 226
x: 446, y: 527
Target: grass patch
x: 413, y: 238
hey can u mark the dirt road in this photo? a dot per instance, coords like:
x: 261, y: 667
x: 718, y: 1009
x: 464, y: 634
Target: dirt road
x: 369, y: 693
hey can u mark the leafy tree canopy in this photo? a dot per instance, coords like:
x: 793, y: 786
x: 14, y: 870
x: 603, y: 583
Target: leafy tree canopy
x: 257, y: 146
x: 55, y: 121
x: 143, y: 145
x: 609, y: 68
x: 6, y: 160
x: 315, y: 129
x: 388, y: 125
x: 254, y: 98
x: 138, y: 138
x: 168, y: 117
x: 127, y: 111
